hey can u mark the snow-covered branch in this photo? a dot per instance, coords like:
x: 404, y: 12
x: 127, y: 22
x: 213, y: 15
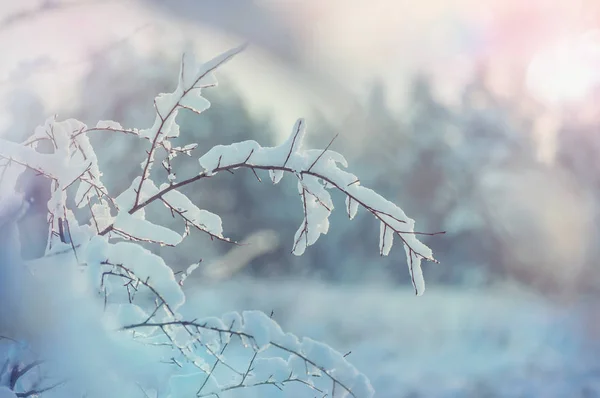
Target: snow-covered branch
x: 261, y: 332
x: 139, y: 294
x: 316, y: 170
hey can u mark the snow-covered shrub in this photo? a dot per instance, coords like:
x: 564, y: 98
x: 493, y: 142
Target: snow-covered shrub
x: 99, y: 315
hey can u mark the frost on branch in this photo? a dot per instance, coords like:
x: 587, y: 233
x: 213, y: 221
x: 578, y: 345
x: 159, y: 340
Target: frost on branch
x: 140, y: 298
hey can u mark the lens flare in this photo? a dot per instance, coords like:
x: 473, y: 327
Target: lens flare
x: 567, y: 71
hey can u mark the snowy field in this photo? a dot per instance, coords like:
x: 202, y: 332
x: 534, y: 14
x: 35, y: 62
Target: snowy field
x: 499, y: 342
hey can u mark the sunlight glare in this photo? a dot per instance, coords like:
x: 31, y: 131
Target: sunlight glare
x: 566, y: 72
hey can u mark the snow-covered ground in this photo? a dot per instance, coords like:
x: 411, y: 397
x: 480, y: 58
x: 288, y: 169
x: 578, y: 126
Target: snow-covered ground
x: 500, y: 342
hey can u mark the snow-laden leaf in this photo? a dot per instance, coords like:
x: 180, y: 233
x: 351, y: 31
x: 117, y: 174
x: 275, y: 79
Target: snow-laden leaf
x: 133, y: 225
x: 414, y: 268
x: 226, y: 155
x: 136, y: 228
x: 194, y: 102
x: 261, y: 327
x: 317, y: 206
x: 188, y: 272
x: 386, y: 239
x: 166, y: 103
x: 332, y: 361
x: 90, y: 185
x: 29, y: 157
x: 109, y: 125
x: 296, y: 139
x: 351, y: 207
x: 194, y: 75
x: 202, y: 220
x: 275, y: 175
x: 126, y: 200
x: 170, y: 129
x: 187, y: 149
x: 143, y: 264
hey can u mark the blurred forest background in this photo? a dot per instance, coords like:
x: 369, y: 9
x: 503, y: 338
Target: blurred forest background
x: 478, y: 118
